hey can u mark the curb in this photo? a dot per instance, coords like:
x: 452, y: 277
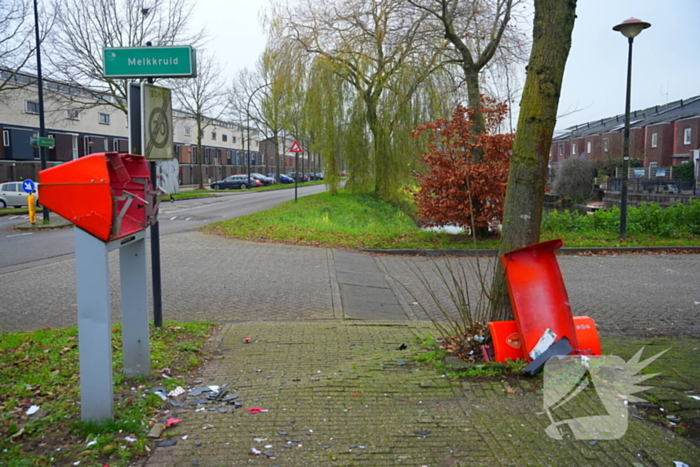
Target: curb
x: 561, y: 251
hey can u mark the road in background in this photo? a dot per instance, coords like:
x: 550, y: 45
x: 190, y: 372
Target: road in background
x: 20, y: 247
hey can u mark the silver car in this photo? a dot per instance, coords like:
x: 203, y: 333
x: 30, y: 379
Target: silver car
x: 12, y: 194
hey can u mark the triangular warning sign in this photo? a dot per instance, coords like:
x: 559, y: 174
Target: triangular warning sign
x: 296, y: 147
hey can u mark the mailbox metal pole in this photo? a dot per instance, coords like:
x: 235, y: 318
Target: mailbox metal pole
x: 94, y: 329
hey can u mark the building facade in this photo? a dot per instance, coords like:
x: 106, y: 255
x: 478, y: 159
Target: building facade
x: 86, y: 128
x: 660, y: 136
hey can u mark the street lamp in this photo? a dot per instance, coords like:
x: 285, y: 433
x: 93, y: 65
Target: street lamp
x: 40, y: 86
x: 630, y: 29
x: 247, y: 111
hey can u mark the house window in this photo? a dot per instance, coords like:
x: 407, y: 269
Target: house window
x: 206, y: 156
x: 188, y: 131
x: 103, y: 118
x: 115, y: 145
x: 686, y: 135
x: 5, y: 138
x: 588, y: 147
x: 31, y: 107
x: 201, y: 134
x: 73, y: 114
x: 605, y: 144
x: 194, y: 155
x: 224, y: 137
x: 213, y: 135
x: 561, y: 149
x: 233, y: 138
x: 654, y: 140
x: 573, y: 149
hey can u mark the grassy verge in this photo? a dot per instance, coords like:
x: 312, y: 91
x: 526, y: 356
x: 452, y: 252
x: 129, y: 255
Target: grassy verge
x: 41, y: 369
x: 362, y: 221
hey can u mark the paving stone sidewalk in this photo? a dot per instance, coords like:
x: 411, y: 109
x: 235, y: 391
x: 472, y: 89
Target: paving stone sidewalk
x: 340, y: 393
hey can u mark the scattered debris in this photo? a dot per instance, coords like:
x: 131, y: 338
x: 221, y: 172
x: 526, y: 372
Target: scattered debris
x: 680, y: 464
x: 32, y: 410
x: 130, y: 439
x: 176, y: 392
x: 156, y: 430
x: 592, y: 443
x: 402, y: 347
x: 172, y: 421
x: 256, y: 410
x: 165, y: 444
x: 400, y: 362
x: 159, y: 391
x: 247, y: 340
x: 422, y: 432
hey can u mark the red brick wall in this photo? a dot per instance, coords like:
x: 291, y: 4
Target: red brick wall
x: 661, y: 154
x: 679, y: 129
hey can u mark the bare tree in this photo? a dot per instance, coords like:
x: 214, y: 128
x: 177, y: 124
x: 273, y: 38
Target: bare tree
x: 17, y: 42
x: 478, y: 34
x: 85, y: 27
x: 204, y: 99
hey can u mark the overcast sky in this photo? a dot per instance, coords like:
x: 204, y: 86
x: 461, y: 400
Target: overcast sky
x: 666, y: 60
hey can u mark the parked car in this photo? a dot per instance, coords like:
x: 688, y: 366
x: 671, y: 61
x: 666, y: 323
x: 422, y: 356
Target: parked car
x: 235, y: 182
x: 313, y: 176
x: 265, y: 180
x: 283, y: 178
x: 12, y: 194
x: 301, y: 178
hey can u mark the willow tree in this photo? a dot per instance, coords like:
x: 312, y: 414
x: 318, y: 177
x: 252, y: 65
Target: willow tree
x: 553, y: 25
x: 372, y: 45
x: 324, y: 118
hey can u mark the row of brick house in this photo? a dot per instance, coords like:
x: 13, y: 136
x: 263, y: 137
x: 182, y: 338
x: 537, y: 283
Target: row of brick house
x: 660, y: 136
x: 80, y: 127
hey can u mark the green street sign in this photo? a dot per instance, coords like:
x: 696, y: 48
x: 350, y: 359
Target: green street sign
x: 42, y: 142
x: 177, y: 61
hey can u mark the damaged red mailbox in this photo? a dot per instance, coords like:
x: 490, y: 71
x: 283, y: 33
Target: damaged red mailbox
x: 109, y: 195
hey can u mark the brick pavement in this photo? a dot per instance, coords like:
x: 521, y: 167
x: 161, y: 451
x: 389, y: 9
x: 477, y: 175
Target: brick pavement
x: 338, y: 393
x: 293, y: 300
x: 211, y: 278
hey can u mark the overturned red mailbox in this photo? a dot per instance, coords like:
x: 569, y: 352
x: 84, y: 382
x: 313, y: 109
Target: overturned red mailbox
x: 538, y: 294
x: 109, y: 195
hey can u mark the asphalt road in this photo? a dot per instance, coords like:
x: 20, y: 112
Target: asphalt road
x: 22, y: 247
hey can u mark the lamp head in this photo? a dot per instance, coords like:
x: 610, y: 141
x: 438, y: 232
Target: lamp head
x: 631, y: 27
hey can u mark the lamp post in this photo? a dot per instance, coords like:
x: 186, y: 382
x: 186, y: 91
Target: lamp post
x: 247, y: 111
x: 40, y: 86
x: 630, y: 29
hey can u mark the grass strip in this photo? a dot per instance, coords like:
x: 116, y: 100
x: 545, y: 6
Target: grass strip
x: 349, y: 220
x: 41, y: 369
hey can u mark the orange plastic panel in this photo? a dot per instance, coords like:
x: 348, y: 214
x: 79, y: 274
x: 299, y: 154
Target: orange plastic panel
x: 587, y: 335
x: 506, y: 340
x: 90, y: 192
x: 538, y: 294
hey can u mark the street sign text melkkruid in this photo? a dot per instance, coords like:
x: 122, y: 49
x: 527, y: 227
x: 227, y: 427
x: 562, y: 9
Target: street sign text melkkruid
x: 177, y: 61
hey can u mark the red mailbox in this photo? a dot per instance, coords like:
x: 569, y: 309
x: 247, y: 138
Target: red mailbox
x: 108, y: 194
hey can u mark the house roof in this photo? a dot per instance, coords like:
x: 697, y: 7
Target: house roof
x: 667, y: 113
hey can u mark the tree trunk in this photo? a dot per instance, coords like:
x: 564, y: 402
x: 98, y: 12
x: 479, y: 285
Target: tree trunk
x: 200, y: 156
x: 554, y: 22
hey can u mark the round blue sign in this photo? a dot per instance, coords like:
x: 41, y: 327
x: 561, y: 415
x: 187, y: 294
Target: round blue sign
x: 29, y: 186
